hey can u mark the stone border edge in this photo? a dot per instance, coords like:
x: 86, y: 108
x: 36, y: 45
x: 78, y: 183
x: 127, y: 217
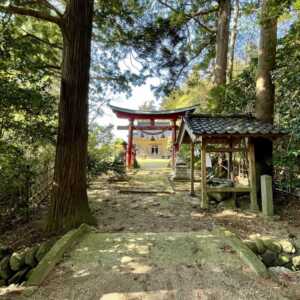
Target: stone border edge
x: 245, y: 253
x: 55, y: 254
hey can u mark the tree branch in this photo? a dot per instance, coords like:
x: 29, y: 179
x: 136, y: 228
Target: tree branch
x: 48, y: 66
x: 41, y: 40
x: 211, y: 30
x: 204, y: 12
x: 11, y: 9
x: 194, y: 15
x: 167, y: 5
x: 49, y: 5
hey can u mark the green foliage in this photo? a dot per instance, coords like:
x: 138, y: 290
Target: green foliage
x: 240, y: 97
x: 27, y: 110
x: 103, y: 153
x: 287, y: 107
x: 193, y: 92
x: 167, y: 39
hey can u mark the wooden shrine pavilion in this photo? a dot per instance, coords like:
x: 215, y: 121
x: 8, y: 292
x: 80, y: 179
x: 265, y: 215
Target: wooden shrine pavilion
x: 134, y: 115
x: 219, y: 133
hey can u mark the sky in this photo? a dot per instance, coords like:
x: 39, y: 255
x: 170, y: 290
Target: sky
x: 139, y: 96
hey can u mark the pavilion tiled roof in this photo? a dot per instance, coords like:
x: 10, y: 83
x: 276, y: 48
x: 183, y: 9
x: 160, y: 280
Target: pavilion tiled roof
x: 157, y: 114
x: 201, y: 124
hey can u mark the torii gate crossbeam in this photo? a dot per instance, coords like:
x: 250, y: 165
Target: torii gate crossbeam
x: 132, y: 115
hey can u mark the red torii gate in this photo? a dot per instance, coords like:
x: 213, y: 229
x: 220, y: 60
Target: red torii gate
x: 132, y: 115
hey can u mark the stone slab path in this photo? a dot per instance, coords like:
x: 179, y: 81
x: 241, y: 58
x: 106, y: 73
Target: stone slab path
x: 154, y: 266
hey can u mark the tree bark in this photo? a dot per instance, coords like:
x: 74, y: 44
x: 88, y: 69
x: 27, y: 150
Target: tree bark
x: 69, y: 203
x: 233, y: 36
x: 265, y: 90
x: 222, y: 42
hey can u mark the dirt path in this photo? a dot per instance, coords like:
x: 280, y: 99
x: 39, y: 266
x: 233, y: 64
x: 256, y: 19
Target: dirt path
x: 150, y: 202
x: 154, y: 242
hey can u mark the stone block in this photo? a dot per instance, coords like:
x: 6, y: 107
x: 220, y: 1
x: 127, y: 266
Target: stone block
x: 272, y: 245
x: 30, y: 259
x: 269, y: 258
x: 287, y: 246
x: 251, y: 245
x: 296, y: 262
x: 267, y: 195
x: 17, y: 261
x: 5, y: 270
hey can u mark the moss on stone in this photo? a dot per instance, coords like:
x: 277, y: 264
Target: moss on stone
x: 252, y: 245
x: 17, y: 261
x: 244, y: 252
x: 55, y: 254
x: 5, y: 270
x: 272, y: 245
x: 30, y: 259
x: 260, y: 246
x: 282, y: 259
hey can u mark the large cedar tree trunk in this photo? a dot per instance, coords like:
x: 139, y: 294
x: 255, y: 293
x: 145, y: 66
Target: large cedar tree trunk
x: 222, y: 42
x: 265, y: 90
x: 233, y: 36
x: 69, y: 203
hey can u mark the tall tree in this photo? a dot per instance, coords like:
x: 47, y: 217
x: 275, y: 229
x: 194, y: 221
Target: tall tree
x: 222, y: 41
x: 264, y: 106
x: 233, y: 37
x: 69, y: 205
x: 265, y: 89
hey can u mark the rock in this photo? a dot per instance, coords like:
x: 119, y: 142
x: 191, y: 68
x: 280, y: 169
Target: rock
x: 19, y: 277
x: 230, y: 203
x: 287, y: 246
x: 260, y: 246
x: 30, y: 259
x: 227, y: 204
x: 17, y: 261
x: 269, y: 258
x: 43, y: 249
x: 277, y: 271
x: 4, y: 251
x: 118, y: 228
x: 216, y: 196
x: 252, y: 245
x: 296, y: 262
x: 272, y: 245
x: 282, y: 260
x: 220, y: 196
x: 297, y: 244
x: 5, y: 270
x: 212, y: 203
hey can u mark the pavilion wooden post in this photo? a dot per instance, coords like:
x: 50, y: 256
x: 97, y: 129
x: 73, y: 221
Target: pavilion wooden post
x: 129, y: 148
x: 192, y: 168
x: 230, y: 162
x: 173, y: 142
x: 204, y: 198
x: 252, y: 175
